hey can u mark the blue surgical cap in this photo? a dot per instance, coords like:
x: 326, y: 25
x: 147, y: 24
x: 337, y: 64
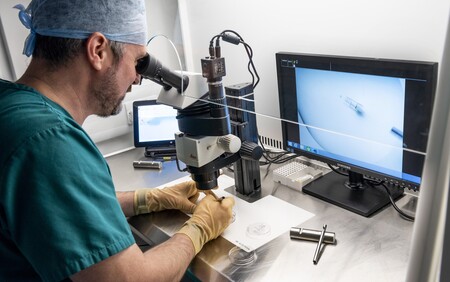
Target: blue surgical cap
x: 119, y: 20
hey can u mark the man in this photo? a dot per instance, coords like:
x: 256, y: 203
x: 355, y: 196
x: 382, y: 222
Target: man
x: 60, y: 218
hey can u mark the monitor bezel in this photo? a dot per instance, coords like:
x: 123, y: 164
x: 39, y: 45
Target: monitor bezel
x: 169, y: 143
x: 427, y: 70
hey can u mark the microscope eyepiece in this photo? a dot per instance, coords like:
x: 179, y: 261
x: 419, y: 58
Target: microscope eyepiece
x: 149, y: 67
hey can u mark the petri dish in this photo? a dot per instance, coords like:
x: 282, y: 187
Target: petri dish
x: 258, y: 229
x: 240, y: 257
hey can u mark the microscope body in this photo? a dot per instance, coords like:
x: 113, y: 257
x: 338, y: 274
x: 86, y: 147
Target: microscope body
x: 205, y: 142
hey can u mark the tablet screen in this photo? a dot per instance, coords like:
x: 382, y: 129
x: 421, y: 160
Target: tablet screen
x: 154, y: 124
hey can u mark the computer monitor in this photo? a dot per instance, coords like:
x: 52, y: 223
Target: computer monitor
x: 370, y: 117
x: 154, y: 128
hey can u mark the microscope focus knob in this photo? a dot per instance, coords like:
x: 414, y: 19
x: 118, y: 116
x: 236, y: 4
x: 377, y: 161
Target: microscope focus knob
x: 250, y: 151
x: 229, y: 143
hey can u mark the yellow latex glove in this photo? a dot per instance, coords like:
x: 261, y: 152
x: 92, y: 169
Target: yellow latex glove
x: 210, y: 219
x: 181, y: 196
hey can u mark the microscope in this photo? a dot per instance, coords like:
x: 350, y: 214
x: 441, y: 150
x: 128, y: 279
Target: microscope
x: 205, y: 142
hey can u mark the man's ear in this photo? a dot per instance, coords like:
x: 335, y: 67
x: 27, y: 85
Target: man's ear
x: 97, y: 48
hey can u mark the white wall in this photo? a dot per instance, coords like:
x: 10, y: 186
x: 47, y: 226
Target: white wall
x: 401, y: 29
x: 398, y: 29
x: 15, y: 34
x: 5, y: 70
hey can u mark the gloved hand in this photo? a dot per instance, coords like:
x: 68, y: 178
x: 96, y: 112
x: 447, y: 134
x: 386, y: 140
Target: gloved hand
x: 210, y: 219
x: 181, y: 196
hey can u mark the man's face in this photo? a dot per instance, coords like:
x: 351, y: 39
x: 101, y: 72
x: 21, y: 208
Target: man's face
x: 111, y: 90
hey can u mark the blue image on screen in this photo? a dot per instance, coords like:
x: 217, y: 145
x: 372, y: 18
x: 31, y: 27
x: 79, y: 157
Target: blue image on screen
x: 157, y: 123
x: 366, y: 112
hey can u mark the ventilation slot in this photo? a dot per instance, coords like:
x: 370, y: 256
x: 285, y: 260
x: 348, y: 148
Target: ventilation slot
x: 277, y: 144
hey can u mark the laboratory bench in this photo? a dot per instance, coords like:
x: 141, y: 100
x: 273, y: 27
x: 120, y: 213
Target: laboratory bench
x: 376, y: 248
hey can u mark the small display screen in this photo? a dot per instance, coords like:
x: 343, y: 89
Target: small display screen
x: 154, y: 124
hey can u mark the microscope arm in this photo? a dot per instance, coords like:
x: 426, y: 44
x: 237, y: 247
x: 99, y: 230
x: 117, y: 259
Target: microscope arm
x: 205, y: 143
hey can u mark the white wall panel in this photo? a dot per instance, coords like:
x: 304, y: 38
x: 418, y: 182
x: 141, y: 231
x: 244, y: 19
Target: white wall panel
x: 402, y: 29
x: 15, y: 34
x: 5, y: 68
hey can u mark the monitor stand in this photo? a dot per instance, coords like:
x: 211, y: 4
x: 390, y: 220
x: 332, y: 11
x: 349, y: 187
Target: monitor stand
x: 352, y: 194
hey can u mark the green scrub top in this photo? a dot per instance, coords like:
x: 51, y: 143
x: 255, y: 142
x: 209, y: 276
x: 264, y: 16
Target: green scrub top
x: 58, y: 210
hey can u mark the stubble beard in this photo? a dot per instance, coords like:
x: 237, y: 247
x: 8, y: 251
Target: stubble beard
x: 106, y: 95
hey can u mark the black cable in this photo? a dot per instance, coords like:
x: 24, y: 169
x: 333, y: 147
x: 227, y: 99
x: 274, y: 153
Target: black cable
x: 337, y: 171
x: 281, y: 157
x: 406, y: 216
x: 284, y: 157
x: 378, y: 183
x: 250, y: 66
x: 267, y: 171
x: 268, y: 157
x: 229, y: 168
x: 178, y: 166
x: 211, y: 42
x: 249, y: 51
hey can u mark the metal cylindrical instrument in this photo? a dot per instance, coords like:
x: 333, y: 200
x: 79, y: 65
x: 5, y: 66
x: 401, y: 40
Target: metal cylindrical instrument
x: 312, y: 235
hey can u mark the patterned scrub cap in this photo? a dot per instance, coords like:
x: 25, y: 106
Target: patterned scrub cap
x: 119, y: 20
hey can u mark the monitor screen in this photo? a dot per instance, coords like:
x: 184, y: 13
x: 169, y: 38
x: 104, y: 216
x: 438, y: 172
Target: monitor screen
x: 154, y: 124
x: 368, y: 116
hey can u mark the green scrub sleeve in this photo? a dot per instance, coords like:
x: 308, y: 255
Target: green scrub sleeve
x: 63, y: 214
